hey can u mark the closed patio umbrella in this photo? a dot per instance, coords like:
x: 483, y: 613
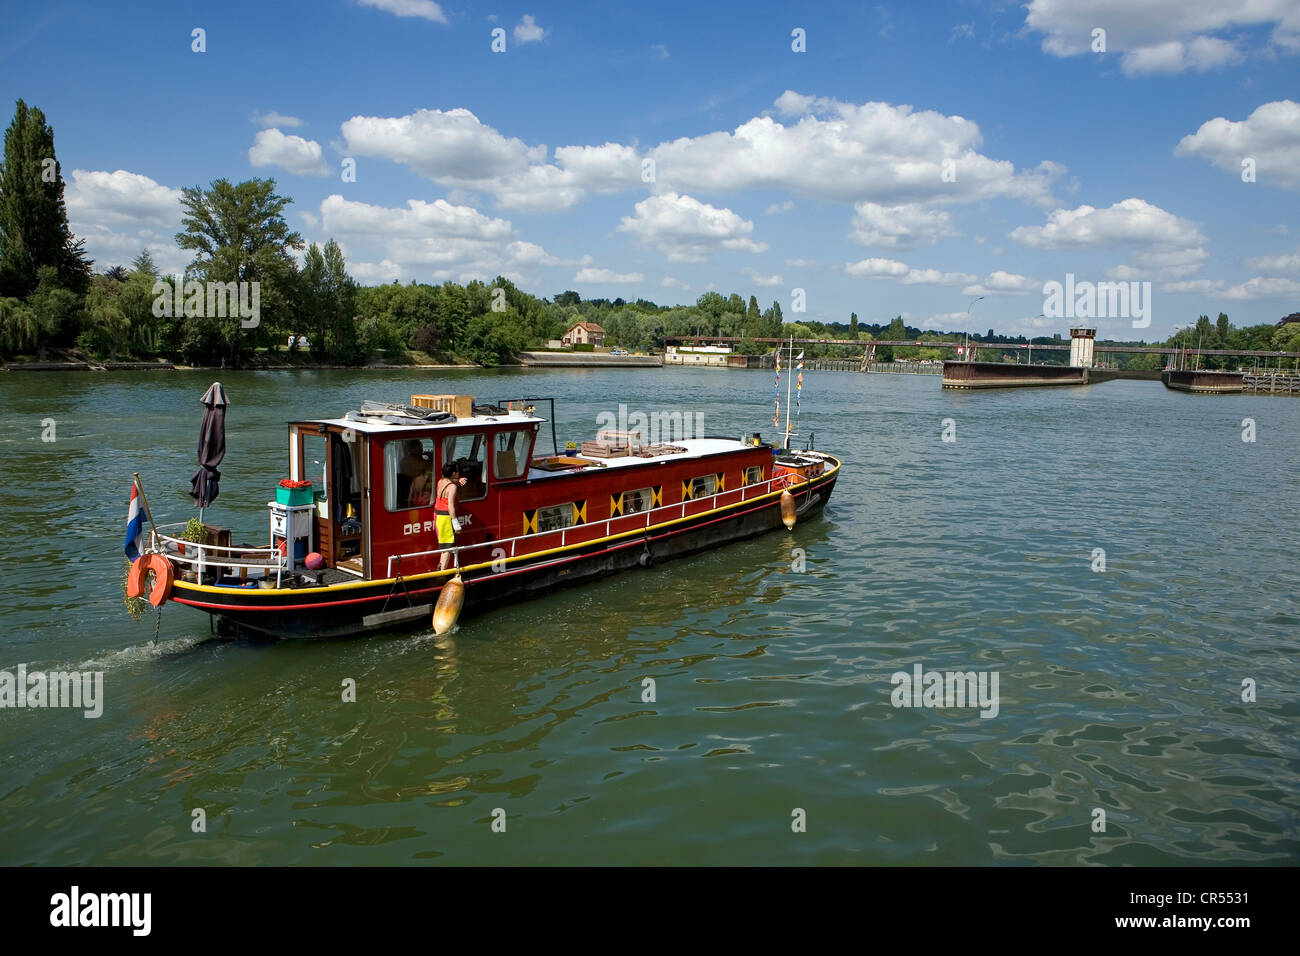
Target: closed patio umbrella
x: 212, y: 447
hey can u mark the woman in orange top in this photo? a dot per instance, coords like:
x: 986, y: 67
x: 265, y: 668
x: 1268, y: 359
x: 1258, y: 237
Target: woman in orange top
x: 446, y: 521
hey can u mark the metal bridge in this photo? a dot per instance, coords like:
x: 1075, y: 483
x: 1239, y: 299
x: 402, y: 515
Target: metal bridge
x: 972, y: 346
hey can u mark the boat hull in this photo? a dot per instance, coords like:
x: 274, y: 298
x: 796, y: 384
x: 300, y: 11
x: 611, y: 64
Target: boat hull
x: 370, y: 606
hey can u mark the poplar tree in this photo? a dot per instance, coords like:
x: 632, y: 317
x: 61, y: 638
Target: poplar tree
x: 34, y: 229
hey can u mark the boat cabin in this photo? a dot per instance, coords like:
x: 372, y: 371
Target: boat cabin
x: 374, y: 475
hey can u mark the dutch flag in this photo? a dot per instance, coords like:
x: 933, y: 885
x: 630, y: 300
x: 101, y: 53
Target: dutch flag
x: 134, y: 526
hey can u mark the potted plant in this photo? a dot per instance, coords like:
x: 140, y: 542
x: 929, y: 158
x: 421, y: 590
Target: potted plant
x: 194, y: 532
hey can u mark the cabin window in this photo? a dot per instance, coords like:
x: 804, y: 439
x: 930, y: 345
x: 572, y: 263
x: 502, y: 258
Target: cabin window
x: 754, y: 475
x: 510, y: 450
x: 555, y: 517
x: 703, y: 486
x: 409, y: 477
x: 637, y: 501
x: 469, y: 453
x: 313, y: 447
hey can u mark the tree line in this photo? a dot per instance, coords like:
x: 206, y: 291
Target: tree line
x: 51, y: 299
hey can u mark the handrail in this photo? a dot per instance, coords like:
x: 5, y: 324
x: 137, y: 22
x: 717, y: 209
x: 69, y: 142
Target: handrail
x: 784, y: 480
x: 210, y: 554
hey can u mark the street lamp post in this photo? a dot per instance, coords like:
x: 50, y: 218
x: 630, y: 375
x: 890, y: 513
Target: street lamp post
x: 968, y: 308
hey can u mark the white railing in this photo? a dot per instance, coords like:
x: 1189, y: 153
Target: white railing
x: 202, y: 557
x: 747, y: 492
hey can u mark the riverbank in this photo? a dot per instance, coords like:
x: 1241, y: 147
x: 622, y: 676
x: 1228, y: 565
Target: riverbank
x: 588, y: 360
x: 259, y: 363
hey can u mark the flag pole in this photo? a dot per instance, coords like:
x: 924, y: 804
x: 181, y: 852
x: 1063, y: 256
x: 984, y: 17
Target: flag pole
x: 144, y: 501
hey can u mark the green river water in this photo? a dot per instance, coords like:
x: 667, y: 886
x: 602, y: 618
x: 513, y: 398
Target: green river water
x: 1119, y: 690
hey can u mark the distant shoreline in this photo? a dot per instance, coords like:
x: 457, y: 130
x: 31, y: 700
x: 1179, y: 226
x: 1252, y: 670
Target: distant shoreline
x: 523, y: 360
x: 175, y: 367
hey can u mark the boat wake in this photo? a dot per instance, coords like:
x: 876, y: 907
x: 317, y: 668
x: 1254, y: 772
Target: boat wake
x: 142, y: 653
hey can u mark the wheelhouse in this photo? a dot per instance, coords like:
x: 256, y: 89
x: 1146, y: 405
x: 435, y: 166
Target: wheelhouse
x: 374, y: 483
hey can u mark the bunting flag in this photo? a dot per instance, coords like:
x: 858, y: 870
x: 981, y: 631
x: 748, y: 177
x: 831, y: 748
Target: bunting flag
x: 798, y: 387
x: 776, y: 391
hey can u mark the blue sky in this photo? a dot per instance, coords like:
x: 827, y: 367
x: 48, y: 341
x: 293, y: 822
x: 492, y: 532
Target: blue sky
x: 910, y: 158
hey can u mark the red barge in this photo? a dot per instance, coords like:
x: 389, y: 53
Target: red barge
x: 537, y: 521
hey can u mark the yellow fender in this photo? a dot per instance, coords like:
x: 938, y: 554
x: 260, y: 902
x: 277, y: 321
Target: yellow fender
x: 447, y: 611
x: 788, y: 511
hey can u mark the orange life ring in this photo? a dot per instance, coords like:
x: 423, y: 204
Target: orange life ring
x: 162, y: 578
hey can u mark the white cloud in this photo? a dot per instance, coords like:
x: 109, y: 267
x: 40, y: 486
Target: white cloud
x: 687, y: 230
x: 761, y: 278
x: 120, y: 213
x: 607, y: 276
x: 1270, y: 136
x: 450, y: 147
x: 660, y: 51
x: 436, y: 239
x: 1161, y: 36
x: 1175, y: 56
x: 1030, y: 326
x: 425, y: 9
x: 420, y: 218
x: 297, y: 155
x: 527, y: 30
x: 672, y: 282
x: 943, y: 321
x: 877, y: 269
x: 1196, y: 286
x: 803, y: 263
x: 899, y: 227
x: 276, y: 119
x: 1283, y: 264
x: 935, y: 277
x: 121, y: 197
x: 1004, y: 283
x: 1259, y: 287
x: 780, y: 207
x: 1166, y: 245
x: 838, y: 151
x: 845, y: 152
x: 1132, y: 221
x: 375, y: 273
x: 454, y: 148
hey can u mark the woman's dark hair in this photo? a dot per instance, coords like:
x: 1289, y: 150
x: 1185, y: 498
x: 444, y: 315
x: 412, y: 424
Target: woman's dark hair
x: 448, y: 469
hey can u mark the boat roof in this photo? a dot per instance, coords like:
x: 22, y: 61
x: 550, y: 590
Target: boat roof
x: 695, y: 448
x: 513, y: 417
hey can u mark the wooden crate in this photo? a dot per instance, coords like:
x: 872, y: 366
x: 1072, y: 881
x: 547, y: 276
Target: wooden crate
x: 462, y: 406
x: 612, y: 436
x: 605, y: 449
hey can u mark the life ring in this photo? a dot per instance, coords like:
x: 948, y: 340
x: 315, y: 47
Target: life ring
x: 163, y: 575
